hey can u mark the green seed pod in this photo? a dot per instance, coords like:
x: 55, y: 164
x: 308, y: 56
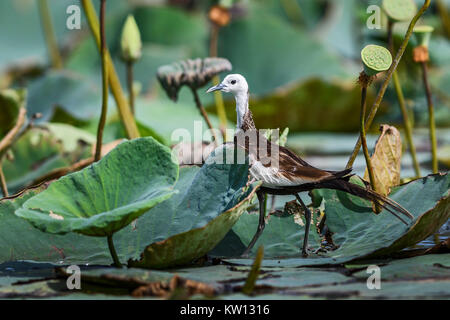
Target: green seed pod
x: 423, y: 35
x: 131, y: 44
x: 400, y: 10
x: 375, y: 59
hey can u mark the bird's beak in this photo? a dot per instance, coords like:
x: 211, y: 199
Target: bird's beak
x: 220, y: 86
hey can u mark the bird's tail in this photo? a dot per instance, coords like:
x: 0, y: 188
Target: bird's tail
x: 391, y: 206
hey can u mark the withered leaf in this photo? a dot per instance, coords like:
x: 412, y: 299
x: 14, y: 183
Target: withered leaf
x: 386, y: 159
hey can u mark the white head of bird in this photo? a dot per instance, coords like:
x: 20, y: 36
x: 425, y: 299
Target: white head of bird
x: 237, y: 85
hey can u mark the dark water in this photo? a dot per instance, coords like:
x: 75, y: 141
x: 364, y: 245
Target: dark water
x: 438, y: 237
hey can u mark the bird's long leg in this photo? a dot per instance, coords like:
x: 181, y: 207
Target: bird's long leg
x: 307, y: 225
x: 262, y: 222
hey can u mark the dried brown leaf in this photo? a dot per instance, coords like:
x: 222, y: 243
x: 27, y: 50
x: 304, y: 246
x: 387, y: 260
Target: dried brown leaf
x: 386, y: 159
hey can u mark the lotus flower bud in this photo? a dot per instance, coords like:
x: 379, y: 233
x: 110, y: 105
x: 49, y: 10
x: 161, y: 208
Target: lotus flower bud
x: 131, y: 44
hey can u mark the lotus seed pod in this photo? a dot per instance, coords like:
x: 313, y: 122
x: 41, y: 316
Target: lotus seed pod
x: 423, y: 35
x: 400, y: 10
x: 131, y: 44
x: 219, y: 15
x: 375, y: 59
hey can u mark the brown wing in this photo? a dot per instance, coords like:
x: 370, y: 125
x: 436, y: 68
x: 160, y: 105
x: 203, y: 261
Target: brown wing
x: 290, y: 165
x: 295, y: 168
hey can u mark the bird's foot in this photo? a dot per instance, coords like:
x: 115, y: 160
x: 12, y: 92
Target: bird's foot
x: 305, y: 253
x: 246, y: 254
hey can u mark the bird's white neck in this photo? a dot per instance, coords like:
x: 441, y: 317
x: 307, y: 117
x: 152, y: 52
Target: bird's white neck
x: 241, y: 108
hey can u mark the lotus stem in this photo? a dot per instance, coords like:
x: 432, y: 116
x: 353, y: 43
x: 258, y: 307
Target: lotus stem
x: 432, y: 124
x: 113, y: 252
x: 204, y: 114
x: 102, y: 121
x: 385, y: 83
x: 114, y: 82
x: 14, y: 133
x: 254, y: 272
x: 130, y: 86
x: 3, y: 181
x: 49, y: 34
x: 401, y: 102
x: 364, y: 142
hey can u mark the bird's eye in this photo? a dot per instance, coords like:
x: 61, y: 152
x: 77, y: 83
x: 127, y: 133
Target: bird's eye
x: 233, y: 81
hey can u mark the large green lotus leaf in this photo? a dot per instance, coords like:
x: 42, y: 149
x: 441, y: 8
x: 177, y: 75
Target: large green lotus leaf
x: 106, y: 196
x: 74, y: 94
x: 190, y: 224
x: 360, y: 233
x: 36, y: 153
x: 73, y: 248
x: 10, y: 103
x: 427, y: 266
x: 270, y: 52
x: 282, y: 236
x: 19, y: 240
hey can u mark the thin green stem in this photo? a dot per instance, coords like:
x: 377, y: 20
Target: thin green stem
x: 116, y: 89
x: 204, y: 114
x: 3, y: 181
x: 49, y: 34
x: 113, y: 252
x: 401, y: 102
x: 385, y: 83
x: 364, y: 142
x: 102, y: 121
x: 130, y: 86
x: 432, y: 124
x: 252, y: 277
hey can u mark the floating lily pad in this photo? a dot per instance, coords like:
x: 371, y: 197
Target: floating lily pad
x: 389, y: 290
x: 106, y: 196
x: 360, y: 233
x: 428, y: 266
